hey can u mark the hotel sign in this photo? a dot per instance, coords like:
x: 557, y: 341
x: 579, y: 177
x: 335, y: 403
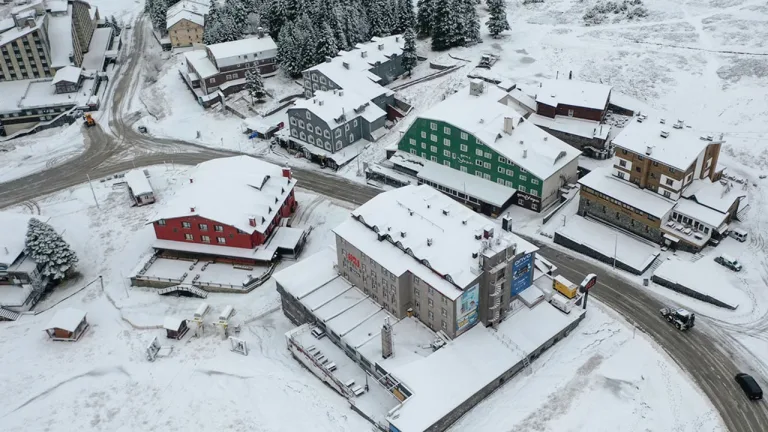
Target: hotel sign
x: 353, y: 259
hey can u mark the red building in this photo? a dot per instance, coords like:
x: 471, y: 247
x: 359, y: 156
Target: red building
x: 231, y: 208
x: 571, y: 98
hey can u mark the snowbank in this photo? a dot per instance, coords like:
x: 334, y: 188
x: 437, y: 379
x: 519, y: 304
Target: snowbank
x: 701, y: 279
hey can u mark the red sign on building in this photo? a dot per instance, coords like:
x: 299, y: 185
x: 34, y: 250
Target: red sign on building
x: 353, y: 259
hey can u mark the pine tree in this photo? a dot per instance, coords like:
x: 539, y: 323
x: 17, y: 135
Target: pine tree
x: 158, y: 14
x: 287, y: 51
x: 212, y: 28
x: 305, y: 39
x: 377, y: 21
x: 409, y: 51
x: 46, y: 247
x: 339, y: 34
x: 407, y: 17
x: 468, y: 31
x: 356, y: 26
x: 425, y: 16
x: 326, y: 43
x: 148, y: 6
x: 497, y: 21
x: 255, y: 85
x: 446, y: 26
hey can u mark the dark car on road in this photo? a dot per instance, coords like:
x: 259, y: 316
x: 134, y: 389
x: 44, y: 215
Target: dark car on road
x: 750, y: 386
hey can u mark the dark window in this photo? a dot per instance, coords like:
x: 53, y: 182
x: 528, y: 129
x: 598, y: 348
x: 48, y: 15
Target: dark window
x: 670, y: 182
x: 161, y: 222
x: 637, y: 169
x: 186, y: 225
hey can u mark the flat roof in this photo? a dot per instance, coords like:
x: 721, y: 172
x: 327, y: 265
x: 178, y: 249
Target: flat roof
x: 717, y: 195
x: 330, y: 105
x: 200, y: 62
x: 572, y: 125
x: 138, y: 182
x: 13, y: 234
x: 435, y: 229
x: 232, y: 191
x: 97, y: 50
x: 13, y: 32
x: 604, y: 182
x: 66, y: 319
x: 450, y: 376
x: 60, y: 38
x: 573, y: 92
x: 711, y: 217
x: 484, y: 116
x: 679, y: 150
x: 411, y: 342
x: 306, y: 276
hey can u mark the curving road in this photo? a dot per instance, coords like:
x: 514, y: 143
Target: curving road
x: 706, y: 358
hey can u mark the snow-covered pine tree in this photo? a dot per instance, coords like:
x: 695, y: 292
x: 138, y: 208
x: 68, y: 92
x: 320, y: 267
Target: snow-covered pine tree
x: 211, y: 30
x: 425, y: 16
x: 305, y: 39
x: 288, y: 51
x: 391, y: 13
x: 446, y: 26
x: 274, y: 17
x: 407, y: 17
x: 375, y: 11
x: 46, y: 247
x: 115, y: 26
x: 497, y: 20
x: 158, y: 15
x: 148, y: 6
x: 234, y: 19
x: 468, y: 31
x: 255, y: 85
x: 356, y: 25
x: 409, y: 51
x: 326, y: 43
x: 339, y: 33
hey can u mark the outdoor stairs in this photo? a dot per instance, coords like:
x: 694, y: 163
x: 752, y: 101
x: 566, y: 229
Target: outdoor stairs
x: 6, y: 314
x: 697, y: 256
x: 742, y: 214
x: 187, y: 288
x: 507, y: 342
x: 656, y: 264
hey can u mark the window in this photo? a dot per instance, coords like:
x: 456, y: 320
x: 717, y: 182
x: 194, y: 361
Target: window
x: 637, y: 169
x: 301, y: 124
x: 412, y: 141
x: 430, y: 291
x: 424, y: 155
x: 623, y: 163
x: 478, y: 173
x: 508, y: 183
x: 486, y: 165
x: 205, y: 239
x: 354, y: 123
x: 500, y: 181
x: 431, y: 315
x: 328, y: 145
x: 487, y: 176
x: 310, y: 129
x: 443, y: 325
x: 423, y: 134
x: 318, y: 131
x: 510, y: 173
x: 433, y: 126
x: 430, y: 302
x: 570, y: 113
x: 203, y: 227
x: 433, y: 149
x: 311, y: 139
x: 294, y: 133
x: 221, y: 240
x: 501, y: 170
x: 186, y: 225
x: 464, y: 136
x: 463, y: 147
x: 314, y: 78
x: 534, y: 181
x: 346, y: 127
x: 303, y: 136
x: 463, y: 168
x: 447, y: 153
x: 479, y: 152
x: 322, y: 80
x: 522, y: 188
x: 447, y: 130
x: 620, y: 175
x: 433, y: 158
x: 188, y: 237
x: 413, y: 151
x: 433, y: 137
x: 534, y: 192
x: 667, y: 194
x: 161, y: 222
x: 218, y: 228
x: 522, y: 177
x: 502, y: 159
x: 447, y: 163
x: 669, y: 182
x: 416, y: 292
x: 478, y: 162
x: 446, y: 142
x: 424, y: 145
x: 351, y: 137
x: 672, y: 170
x: 338, y: 133
x: 444, y: 312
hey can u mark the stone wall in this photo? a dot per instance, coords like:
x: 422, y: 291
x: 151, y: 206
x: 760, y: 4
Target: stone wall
x: 618, y: 218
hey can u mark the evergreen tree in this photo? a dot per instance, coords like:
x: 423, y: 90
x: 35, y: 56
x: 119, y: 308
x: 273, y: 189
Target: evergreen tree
x: 148, y: 6
x: 497, y: 21
x: 158, y: 15
x: 356, y: 26
x: 468, y: 31
x: 326, y: 43
x: 409, y: 51
x: 287, y: 51
x: 305, y: 39
x: 46, y: 247
x: 255, y: 84
x: 446, y: 26
x: 339, y: 33
x: 211, y: 30
x: 274, y: 17
x: 115, y: 26
x: 425, y: 16
x: 407, y: 17
x: 377, y: 21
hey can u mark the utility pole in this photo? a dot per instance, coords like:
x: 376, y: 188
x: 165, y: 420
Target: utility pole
x: 564, y: 218
x: 615, y: 248
x: 92, y: 191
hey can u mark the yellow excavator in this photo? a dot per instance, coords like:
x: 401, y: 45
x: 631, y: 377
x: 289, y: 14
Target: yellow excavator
x: 89, y: 121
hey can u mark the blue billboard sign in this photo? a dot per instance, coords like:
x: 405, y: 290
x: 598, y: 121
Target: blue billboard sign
x: 522, y: 273
x: 466, y: 308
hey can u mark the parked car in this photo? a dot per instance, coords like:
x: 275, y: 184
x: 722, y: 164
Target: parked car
x: 728, y: 261
x: 738, y: 234
x: 143, y: 129
x: 750, y: 386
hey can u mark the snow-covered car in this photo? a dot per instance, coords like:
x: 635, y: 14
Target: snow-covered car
x: 728, y: 261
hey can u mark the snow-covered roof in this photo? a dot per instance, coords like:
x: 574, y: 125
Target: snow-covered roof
x: 572, y: 125
x: 67, y: 74
x: 39, y: 93
x: 172, y: 323
x: 94, y: 59
x: 330, y: 105
x: 6, y: 24
x: 138, y: 182
x: 703, y: 277
x: 679, y: 150
x: 717, y: 195
x: 454, y: 373
x: 14, y: 32
x: 435, y: 229
x: 66, y: 319
x: 474, y: 186
x: 13, y: 234
x: 243, y: 50
x: 484, y: 116
x: 184, y: 15
x: 201, y: 64
x: 574, y: 93
x: 604, y: 182
x: 57, y: 5
x: 711, y: 217
x: 232, y: 191
x: 60, y: 37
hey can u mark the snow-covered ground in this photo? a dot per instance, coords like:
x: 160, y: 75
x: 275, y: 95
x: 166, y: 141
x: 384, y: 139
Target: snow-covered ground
x: 38, y: 152
x: 104, y: 382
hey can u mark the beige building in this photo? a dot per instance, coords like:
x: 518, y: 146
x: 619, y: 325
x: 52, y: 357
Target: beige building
x: 185, y: 23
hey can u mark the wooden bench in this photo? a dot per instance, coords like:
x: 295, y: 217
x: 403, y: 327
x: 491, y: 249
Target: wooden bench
x: 350, y: 383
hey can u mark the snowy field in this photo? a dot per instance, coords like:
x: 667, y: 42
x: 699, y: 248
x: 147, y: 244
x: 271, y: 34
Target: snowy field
x: 38, y: 152
x: 104, y: 382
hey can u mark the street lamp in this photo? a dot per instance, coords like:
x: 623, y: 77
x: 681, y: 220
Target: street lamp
x: 615, y: 248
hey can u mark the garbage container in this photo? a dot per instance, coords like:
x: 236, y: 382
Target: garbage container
x: 645, y: 282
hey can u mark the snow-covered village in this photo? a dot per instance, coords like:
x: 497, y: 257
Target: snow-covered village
x: 383, y: 215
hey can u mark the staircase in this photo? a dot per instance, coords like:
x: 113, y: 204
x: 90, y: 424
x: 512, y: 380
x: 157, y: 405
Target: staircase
x: 697, y: 256
x: 507, y: 342
x: 656, y: 264
x: 186, y: 288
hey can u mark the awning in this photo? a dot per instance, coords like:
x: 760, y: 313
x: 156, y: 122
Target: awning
x: 671, y: 238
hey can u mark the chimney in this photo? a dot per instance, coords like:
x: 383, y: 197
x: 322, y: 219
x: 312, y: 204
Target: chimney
x: 320, y: 102
x: 402, y: 234
x: 474, y: 254
x: 252, y: 222
x: 191, y: 180
x: 287, y: 173
x: 363, y: 54
x: 488, y: 232
x: 648, y: 150
x: 429, y: 242
x: 478, y: 235
x: 509, y: 125
x: 525, y: 153
x: 476, y: 87
x: 345, y: 64
x: 381, y: 47
x: 260, y: 32
x: 446, y: 212
x: 327, y: 59
x: 386, y: 339
x: 397, y: 38
x: 341, y: 92
x: 570, y: 75
x: 664, y: 133
x: 191, y: 209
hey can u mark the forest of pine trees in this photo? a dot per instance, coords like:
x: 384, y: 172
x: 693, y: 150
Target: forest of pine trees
x: 451, y: 23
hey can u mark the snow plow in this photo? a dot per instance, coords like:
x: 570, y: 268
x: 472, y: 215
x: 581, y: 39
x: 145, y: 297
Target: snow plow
x: 681, y: 318
x: 89, y: 121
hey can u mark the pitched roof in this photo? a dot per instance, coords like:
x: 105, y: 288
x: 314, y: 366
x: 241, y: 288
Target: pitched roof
x: 66, y: 319
x: 13, y: 234
x: 243, y: 50
x: 484, y: 117
x: 138, y: 182
x: 232, y: 191
x: 717, y: 195
x: 67, y: 74
x: 652, y: 203
x: 575, y: 93
x: 197, y: 7
x: 330, y: 105
x: 184, y: 15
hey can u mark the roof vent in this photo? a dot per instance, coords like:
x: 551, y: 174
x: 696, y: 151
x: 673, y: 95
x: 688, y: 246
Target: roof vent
x: 191, y: 209
x: 478, y: 235
x: 545, y: 138
x: 678, y: 124
x: 252, y: 222
x: 327, y: 59
x: 429, y: 205
x: 341, y: 92
x: 402, y: 234
x: 521, y: 142
x: 363, y: 54
x: 191, y: 180
x: 464, y: 222
x: 410, y: 212
x: 381, y: 47
x: 663, y: 121
x: 525, y: 153
x: 446, y: 212
x: 345, y: 64
x: 320, y: 102
x: 429, y: 242
x: 474, y: 254
x: 664, y: 133
x: 648, y: 150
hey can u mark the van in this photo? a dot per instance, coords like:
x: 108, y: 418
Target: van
x: 738, y: 234
x: 750, y: 386
x: 728, y: 261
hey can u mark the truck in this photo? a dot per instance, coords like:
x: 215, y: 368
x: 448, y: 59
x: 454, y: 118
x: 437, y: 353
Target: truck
x: 565, y: 287
x: 680, y: 318
x: 728, y: 261
x: 561, y: 303
x: 89, y: 121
